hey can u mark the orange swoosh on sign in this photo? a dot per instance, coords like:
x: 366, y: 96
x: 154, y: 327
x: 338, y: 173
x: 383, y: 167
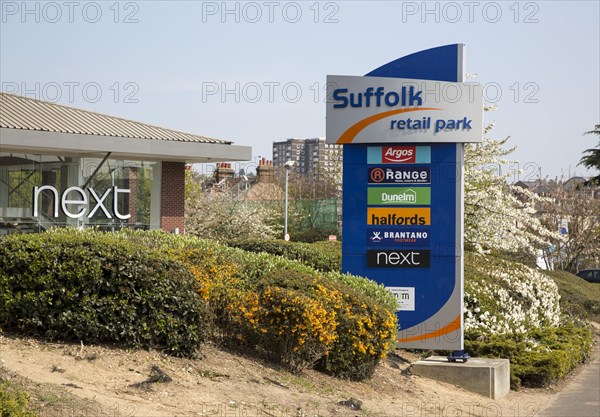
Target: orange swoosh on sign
x: 349, y: 135
x: 449, y: 328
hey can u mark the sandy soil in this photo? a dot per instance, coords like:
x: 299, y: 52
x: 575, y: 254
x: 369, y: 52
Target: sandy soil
x: 76, y: 380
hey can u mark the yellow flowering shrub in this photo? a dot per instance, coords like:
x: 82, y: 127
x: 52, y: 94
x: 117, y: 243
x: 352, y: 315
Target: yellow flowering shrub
x: 294, y: 317
x: 295, y: 330
x: 366, y: 333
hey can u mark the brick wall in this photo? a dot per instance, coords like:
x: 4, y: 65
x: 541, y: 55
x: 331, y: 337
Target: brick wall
x: 265, y: 171
x: 132, y: 184
x: 172, y: 196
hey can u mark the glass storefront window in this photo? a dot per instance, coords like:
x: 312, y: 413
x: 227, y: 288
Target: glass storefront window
x: 41, y: 191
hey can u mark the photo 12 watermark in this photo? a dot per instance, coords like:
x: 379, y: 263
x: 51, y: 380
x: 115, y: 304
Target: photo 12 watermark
x: 267, y: 409
x: 73, y: 91
x: 270, y: 12
x: 288, y: 91
x: 470, y: 12
x: 69, y: 12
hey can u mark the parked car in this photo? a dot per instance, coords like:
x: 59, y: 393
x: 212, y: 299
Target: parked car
x: 590, y: 275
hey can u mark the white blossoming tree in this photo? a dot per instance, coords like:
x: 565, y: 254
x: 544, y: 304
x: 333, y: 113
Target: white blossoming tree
x: 219, y: 216
x: 498, y: 215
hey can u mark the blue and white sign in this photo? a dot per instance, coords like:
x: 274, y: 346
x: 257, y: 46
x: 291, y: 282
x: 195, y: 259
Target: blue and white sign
x: 398, y: 133
x: 393, y: 110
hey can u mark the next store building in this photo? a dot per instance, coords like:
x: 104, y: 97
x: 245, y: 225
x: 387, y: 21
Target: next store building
x: 62, y: 166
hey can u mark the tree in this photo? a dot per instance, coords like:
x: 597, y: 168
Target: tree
x: 592, y: 160
x: 217, y: 215
x: 575, y: 207
x: 498, y: 215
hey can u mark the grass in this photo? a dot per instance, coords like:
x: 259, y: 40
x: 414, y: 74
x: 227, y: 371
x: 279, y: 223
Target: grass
x: 21, y: 397
x: 578, y: 297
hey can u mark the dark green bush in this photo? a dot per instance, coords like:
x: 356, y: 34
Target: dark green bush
x: 313, y: 234
x: 95, y: 287
x: 538, y: 357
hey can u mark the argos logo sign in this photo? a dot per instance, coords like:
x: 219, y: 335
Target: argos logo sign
x: 399, y: 155
x: 409, y: 154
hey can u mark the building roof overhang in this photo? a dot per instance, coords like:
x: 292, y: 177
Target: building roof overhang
x: 33, y: 126
x: 80, y: 145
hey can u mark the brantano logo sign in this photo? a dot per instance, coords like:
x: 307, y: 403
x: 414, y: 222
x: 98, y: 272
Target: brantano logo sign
x: 81, y: 201
x: 398, y: 196
x: 407, y: 237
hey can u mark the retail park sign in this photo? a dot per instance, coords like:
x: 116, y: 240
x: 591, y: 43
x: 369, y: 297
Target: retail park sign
x: 403, y: 126
x: 76, y: 196
x: 392, y: 110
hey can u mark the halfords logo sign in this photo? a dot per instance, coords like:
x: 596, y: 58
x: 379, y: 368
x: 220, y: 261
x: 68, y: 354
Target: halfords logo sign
x: 398, y: 196
x: 398, y: 216
x: 392, y: 110
x: 81, y: 200
x: 399, y: 175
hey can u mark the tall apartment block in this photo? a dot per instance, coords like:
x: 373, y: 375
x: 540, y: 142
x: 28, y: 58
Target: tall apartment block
x: 312, y: 156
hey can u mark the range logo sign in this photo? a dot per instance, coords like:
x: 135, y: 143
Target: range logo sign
x: 398, y: 196
x: 399, y: 154
x: 398, y: 258
x: 417, y: 174
x: 410, y: 237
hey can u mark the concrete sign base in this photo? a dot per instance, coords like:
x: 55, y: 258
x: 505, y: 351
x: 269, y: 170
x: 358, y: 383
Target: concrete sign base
x: 487, y: 377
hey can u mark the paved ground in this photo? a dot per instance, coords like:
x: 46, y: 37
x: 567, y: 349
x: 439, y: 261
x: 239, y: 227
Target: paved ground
x: 581, y: 397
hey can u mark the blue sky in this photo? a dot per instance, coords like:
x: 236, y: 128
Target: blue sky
x: 254, y: 72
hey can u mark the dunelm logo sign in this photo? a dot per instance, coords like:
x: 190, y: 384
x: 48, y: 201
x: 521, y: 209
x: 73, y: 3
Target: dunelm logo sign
x: 398, y: 196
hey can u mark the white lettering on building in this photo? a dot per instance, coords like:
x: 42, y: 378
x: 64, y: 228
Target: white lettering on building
x: 76, y: 196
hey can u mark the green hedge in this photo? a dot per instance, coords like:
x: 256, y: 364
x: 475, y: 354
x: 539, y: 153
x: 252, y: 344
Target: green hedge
x: 578, y: 297
x: 323, y: 256
x: 254, y: 264
x: 98, y: 287
x: 151, y: 289
x: 539, y: 357
x: 235, y: 281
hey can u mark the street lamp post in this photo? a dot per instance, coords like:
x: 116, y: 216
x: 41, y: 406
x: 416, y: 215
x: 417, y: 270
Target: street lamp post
x: 288, y: 167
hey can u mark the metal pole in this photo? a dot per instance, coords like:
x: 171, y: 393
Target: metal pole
x: 285, y: 227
